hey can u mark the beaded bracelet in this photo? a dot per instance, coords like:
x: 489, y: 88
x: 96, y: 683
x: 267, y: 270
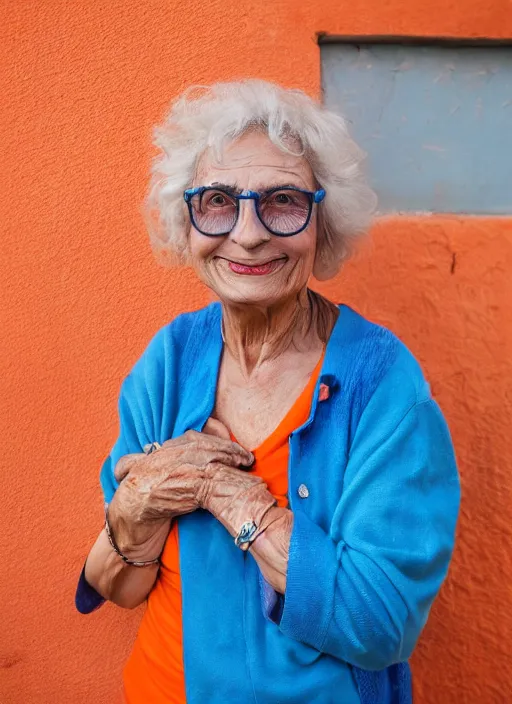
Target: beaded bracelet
x: 112, y: 542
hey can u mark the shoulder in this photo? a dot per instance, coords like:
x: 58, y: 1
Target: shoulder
x: 196, y: 320
x: 172, y: 340
x: 384, y: 363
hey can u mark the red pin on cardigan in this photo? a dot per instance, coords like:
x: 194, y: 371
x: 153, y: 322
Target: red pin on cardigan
x: 323, y: 394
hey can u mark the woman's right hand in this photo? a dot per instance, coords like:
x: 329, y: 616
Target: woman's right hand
x: 157, y: 487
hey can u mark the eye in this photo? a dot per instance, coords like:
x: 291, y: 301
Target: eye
x: 217, y: 199
x: 282, y: 199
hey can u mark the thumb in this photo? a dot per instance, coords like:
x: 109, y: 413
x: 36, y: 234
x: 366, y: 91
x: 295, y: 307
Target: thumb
x: 216, y: 427
x: 122, y: 468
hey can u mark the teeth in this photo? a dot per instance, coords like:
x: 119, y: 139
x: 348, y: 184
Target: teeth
x: 260, y: 269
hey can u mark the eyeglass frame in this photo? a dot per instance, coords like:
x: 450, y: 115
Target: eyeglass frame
x: 314, y: 197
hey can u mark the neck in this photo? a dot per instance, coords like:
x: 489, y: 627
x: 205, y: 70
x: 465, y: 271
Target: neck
x: 255, y: 334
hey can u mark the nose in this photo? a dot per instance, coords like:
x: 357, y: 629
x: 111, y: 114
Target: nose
x: 249, y: 232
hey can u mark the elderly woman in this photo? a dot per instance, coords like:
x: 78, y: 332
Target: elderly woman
x: 283, y: 492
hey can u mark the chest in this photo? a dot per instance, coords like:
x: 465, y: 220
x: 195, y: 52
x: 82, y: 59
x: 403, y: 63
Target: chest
x: 254, y: 408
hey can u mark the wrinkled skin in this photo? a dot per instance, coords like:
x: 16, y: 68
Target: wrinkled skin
x: 156, y: 488
x: 269, y: 329
x: 254, y: 162
x: 198, y: 470
x: 272, y: 540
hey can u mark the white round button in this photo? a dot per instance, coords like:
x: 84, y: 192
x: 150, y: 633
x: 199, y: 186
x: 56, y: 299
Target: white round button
x: 303, y: 491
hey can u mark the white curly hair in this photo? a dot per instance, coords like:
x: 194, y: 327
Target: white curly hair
x: 207, y: 116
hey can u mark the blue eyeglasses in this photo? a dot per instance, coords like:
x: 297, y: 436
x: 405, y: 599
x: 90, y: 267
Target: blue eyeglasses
x: 284, y: 211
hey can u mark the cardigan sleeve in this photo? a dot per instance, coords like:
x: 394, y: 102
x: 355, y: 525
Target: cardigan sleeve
x: 139, y: 405
x: 374, y: 582
x: 139, y: 411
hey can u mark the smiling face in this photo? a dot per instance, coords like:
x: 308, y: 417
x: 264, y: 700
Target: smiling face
x: 250, y: 265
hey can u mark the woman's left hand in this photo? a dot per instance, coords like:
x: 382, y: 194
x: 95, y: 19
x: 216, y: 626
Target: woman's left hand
x: 235, y: 497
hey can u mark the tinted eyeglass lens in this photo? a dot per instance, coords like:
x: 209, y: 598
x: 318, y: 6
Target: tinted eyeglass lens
x: 284, y: 212
x: 214, y: 212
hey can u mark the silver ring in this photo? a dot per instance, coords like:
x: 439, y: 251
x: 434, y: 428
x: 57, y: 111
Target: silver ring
x: 151, y: 447
x: 245, y: 533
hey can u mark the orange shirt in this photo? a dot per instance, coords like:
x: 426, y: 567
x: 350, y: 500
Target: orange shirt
x: 154, y: 672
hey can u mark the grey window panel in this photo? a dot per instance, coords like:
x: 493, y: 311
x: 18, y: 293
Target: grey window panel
x: 436, y: 122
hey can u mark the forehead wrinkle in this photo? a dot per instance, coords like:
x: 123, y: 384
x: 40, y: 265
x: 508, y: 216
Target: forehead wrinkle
x: 291, y: 177
x: 295, y: 169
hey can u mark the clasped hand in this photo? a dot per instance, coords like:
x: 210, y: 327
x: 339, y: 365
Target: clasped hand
x: 195, y: 470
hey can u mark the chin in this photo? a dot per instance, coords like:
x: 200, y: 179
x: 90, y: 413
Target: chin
x: 247, y: 295
x: 249, y: 300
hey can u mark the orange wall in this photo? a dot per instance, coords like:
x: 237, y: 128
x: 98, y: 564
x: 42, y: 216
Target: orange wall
x: 83, y: 82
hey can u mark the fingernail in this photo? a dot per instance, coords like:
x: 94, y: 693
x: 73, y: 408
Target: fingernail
x: 248, y: 467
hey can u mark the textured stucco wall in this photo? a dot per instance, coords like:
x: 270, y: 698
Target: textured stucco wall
x: 82, y: 82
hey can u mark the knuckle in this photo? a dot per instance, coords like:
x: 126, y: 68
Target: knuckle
x: 213, y: 466
x: 122, y: 464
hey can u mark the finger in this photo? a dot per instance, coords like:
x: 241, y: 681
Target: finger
x: 213, y: 442
x: 151, y: 447
x: 190, y: 437
x: 229, y: 475
x: 173, y: 442
x: 124, y: 465
x: 208, y: 442
x: 216, y: 427
x: 237, y: 461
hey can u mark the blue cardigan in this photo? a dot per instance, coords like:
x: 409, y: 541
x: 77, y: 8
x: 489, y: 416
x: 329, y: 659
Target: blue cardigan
x: 371, y: 541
